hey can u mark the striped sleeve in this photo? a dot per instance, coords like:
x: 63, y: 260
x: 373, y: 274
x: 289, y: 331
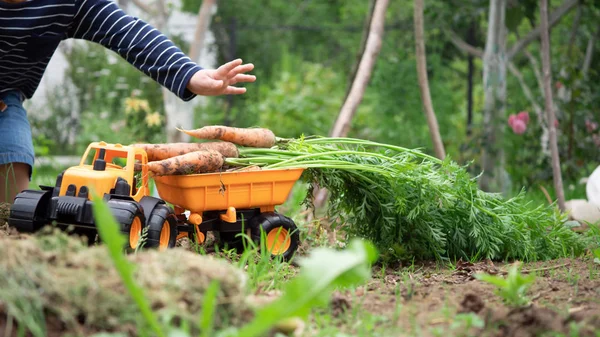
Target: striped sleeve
x: 142, y: 45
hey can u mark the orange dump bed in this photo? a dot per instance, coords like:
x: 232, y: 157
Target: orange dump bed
x: 218, y: 191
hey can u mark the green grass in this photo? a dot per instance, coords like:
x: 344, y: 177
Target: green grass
x: 44, y: 175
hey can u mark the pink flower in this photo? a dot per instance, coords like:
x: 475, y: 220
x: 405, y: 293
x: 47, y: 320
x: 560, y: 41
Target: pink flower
x: 556, y: 123
x: 590, y: 126
x: 558, y: 84
x: 524, y: 116
x: 519, y: 127
x: 511, y: 119
x: 596, y: 139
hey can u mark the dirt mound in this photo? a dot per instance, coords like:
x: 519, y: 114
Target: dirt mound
x: 4, y: 214
x: 531, y: 320
x: 58, y: 283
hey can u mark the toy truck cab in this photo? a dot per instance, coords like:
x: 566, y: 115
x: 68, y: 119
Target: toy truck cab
x: 104, y: 174
x: 108, y: 171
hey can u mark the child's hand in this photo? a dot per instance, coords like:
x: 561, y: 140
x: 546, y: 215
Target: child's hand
x: 212, y: 82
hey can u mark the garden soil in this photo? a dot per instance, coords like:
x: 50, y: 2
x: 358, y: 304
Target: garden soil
x: 429, y: 300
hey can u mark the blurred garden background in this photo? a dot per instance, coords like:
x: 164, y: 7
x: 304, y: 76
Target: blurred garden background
x: 305, y: 54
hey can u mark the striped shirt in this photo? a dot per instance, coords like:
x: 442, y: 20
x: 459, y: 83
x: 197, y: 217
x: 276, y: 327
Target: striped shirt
x: 31, y: 31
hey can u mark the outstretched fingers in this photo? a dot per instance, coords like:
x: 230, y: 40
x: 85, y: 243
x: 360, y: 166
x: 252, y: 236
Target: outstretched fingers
x: 240, y: 69
x: 242, y: 78
x: 225, y: 69
x: 231, y: 90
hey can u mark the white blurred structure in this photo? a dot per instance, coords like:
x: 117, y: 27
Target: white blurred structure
x: 592, y: 187
x: 587, y: 211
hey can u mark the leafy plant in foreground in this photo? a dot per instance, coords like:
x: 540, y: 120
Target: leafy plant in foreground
x: 323, y: 271
x: 512, y: 289
x: 596, y: 253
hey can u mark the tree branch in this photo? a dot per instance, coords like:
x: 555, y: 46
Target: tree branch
x: 536, y: 70
x: 546, y: 65
x: 536, y: 107
x: 202, y: 23
x: 434, y: 130
x: 144, y: 7
x: 527, y: 91
x: 462, y: 45
x: 587, y: 62
x: 534, y: 34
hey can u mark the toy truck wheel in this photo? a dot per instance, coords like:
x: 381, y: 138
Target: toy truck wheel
x: 28, y: 211
x: 130, y: 217
x: 162, y: 228
x: 281, y: 234
x: 135, y: 232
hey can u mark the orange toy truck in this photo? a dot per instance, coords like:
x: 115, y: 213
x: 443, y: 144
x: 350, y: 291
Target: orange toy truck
x: 228, y: 203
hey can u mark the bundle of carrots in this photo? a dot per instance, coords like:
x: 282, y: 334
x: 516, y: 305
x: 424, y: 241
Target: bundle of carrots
x: 194, y: 158
x: 410, y: 204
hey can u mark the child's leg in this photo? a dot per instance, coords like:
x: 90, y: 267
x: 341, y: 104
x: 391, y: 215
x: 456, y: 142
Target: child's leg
x: 16, y: 147
x: 14, y: 178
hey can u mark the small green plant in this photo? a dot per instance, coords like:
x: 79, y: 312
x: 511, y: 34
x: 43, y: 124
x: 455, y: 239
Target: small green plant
x: 513, y: 288
x: 321, y: 272
x: 466, y: 321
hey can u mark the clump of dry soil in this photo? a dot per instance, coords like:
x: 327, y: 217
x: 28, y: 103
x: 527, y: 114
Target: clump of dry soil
x: 59, y: 282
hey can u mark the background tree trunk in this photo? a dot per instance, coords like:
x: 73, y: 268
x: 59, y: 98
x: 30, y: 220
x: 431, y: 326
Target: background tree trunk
x: 178, y: 112
x: 434, y: 131
x: 360, y: 81
x: 546, y: 68
x: 494, y: 81
x: 363, y: 74
x: 363, y: 44
x: 589, y: 51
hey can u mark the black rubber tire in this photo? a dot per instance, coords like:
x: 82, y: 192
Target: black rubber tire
x: 159, y: 215
x: 29, y: 211
x: 229, y: 240
x: 125, y: 212
x: 272, y: 221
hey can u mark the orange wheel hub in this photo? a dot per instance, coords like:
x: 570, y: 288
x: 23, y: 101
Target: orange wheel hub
x: 135, y: 232
x: 165, y: 236
x: 278, y: 241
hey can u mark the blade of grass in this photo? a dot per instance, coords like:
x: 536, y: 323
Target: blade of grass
x: 109, y: 232
x: 208, y: 308
x: 324, y: 270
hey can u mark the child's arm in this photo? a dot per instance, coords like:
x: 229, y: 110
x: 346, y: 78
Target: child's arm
x: 142, y: 45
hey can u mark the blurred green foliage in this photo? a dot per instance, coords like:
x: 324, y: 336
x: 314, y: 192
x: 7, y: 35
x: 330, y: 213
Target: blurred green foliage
x: 294, y: 104
x: 304, y: 54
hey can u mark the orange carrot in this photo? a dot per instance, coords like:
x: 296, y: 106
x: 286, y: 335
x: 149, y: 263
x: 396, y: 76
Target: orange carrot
x: 164, y: 151
x: 189, y: 163
x: 251, y: 137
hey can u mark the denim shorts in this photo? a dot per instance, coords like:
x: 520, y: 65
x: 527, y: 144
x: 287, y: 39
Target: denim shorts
x: 16, y: 143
